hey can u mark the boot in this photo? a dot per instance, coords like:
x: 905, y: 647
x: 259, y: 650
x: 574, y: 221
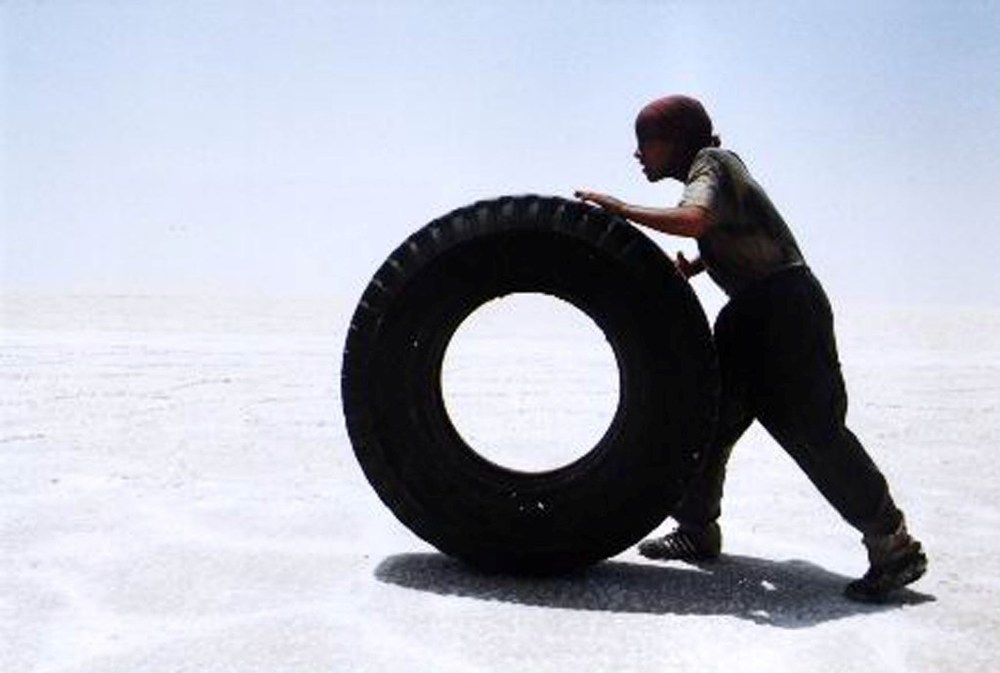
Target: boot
x: 895, y: 560
x: 685, y: 543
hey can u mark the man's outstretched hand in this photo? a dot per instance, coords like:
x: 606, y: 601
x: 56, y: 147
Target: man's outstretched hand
x: 688, y: 267
x: 605, y: 201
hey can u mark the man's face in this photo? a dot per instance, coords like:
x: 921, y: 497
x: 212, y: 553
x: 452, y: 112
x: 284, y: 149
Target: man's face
x: 660, y: 158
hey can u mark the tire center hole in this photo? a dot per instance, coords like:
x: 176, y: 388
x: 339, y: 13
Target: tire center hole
x: 530, y: 382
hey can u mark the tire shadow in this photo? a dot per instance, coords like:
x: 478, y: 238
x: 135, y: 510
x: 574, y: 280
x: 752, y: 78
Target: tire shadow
x: 787, y: 594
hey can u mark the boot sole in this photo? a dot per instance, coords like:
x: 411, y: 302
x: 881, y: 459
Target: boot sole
x: 660, y: 552
x: 863, y: 591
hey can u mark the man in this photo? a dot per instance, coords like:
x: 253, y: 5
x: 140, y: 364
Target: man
x: 776, y: 346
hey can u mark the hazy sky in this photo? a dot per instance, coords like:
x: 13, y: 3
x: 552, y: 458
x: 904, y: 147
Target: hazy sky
x: 289, y: 146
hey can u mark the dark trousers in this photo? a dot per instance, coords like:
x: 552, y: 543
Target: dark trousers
x: 778, y: 363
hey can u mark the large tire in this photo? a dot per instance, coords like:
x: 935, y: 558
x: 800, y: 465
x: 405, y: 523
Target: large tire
x: 438, y: 486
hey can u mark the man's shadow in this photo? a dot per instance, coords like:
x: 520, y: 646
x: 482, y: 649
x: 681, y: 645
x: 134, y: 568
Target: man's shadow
x: 786, y: 594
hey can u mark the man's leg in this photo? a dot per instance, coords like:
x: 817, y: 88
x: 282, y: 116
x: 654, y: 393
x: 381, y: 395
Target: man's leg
x: 698, y: 536
x: 702, y: 501
x: 802, y: 401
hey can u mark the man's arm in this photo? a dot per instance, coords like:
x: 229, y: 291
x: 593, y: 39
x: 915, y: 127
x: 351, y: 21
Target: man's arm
x: 687, y: 221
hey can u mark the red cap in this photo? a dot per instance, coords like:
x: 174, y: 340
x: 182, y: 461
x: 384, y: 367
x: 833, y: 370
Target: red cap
x: 675, y: 115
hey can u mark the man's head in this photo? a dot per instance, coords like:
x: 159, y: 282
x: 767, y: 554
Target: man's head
x: 669, y: 132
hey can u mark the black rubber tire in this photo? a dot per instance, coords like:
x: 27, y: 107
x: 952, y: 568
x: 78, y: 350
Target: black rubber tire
x: 497, y: 518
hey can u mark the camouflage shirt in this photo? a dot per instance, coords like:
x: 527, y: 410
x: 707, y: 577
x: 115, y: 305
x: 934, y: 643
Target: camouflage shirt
x: 748, y: 239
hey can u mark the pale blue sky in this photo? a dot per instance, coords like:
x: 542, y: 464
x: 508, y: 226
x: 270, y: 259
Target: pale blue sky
x: 289, y: 146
